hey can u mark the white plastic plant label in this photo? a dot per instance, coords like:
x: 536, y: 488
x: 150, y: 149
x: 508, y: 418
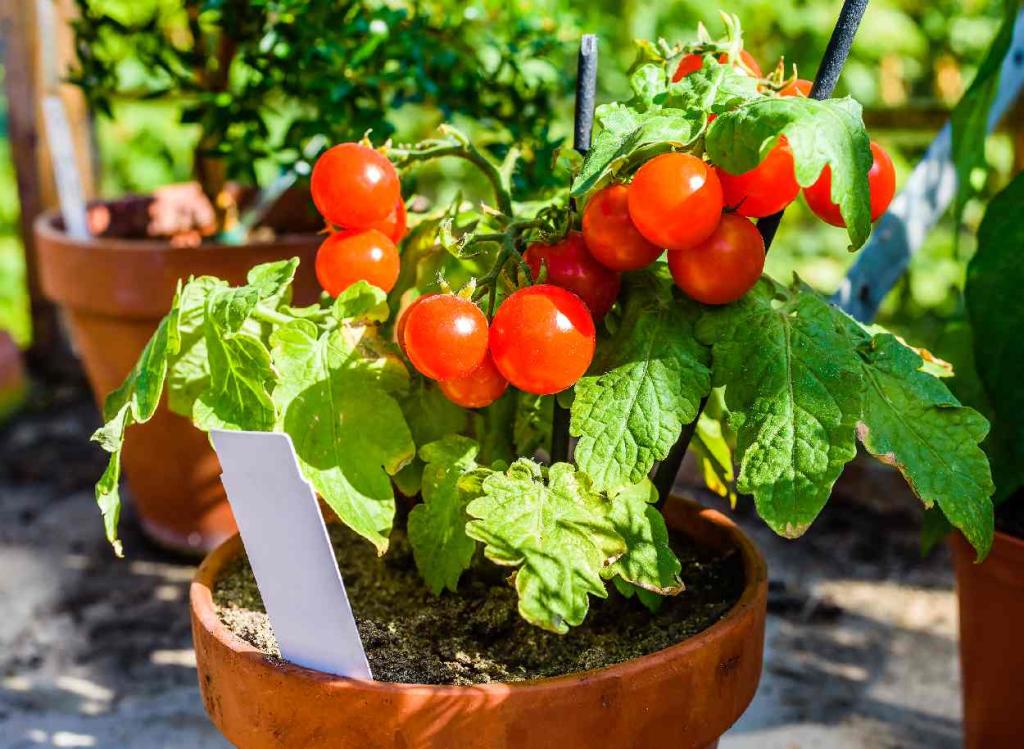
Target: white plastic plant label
x: 290, y: 552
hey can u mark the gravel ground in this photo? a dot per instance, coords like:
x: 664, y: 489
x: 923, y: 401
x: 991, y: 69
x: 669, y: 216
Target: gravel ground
x: 96, y: 652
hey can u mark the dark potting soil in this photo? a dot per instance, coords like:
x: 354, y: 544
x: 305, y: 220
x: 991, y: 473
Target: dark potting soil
x: 477, y: 636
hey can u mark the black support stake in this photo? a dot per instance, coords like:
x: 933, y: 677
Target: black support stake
x: 824, y: 84
x: 586, y: 100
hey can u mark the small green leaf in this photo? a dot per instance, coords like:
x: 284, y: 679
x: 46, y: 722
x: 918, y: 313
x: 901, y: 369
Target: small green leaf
x: 715, y: 88
x: 271, y: 280
x: 646, y: 384
x: 820, y: 133
x: 361, y: 301
x: 556, y: 530
x: 188, y: 374
x: 649, y: 561
x: 437, y: 526
x: 430, y: 417
x: 793, y: 388
x: 336, y: 398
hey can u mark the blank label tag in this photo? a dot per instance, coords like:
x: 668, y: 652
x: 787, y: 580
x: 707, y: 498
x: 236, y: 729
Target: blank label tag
x: 290, y: 552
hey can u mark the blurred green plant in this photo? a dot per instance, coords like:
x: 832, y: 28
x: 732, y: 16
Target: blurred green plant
x: 258, y: 79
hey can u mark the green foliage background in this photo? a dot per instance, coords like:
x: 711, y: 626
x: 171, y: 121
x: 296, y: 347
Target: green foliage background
x: 911, y: 56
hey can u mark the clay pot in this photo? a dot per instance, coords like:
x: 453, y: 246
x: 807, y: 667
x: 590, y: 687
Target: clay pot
x: 13, y: 382
x: 113, y: 293
x: 685, y: 696
x: 991, y: 648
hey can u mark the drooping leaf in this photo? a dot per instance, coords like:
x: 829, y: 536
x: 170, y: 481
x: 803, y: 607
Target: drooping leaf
x: 911, y: 421
x: 188, y: 374
x: 995, y: 276
x: 647, y: 383
x: 793, y: 388
x: 649, y: 561
x: 969, y: 119
x: 134, y: 402
x: 555, y: 529
x: 336, y: 397
x: 820, y: 133
x: 437, y: 525
x: 624, y: 132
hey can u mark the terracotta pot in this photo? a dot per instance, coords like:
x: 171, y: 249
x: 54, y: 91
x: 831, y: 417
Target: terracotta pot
x: 113, y: 293
x: 684, y: 697
x: 991, y: 645
x: 13, y: 382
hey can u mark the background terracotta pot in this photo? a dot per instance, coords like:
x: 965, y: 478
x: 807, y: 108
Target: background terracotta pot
x: 992, y: 642
x: 113, y: 293
x: 685, y: 696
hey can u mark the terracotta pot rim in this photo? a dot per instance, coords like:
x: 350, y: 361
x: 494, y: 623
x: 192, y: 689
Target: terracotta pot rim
x: 45, y: 225
x: 754, y: 589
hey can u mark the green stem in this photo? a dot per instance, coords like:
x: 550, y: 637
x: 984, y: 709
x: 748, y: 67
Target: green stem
x: 267, y: 315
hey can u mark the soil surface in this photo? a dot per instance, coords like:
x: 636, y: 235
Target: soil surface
x: 477, y: 636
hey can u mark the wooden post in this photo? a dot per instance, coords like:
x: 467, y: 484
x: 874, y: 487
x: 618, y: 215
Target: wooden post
x: 26, y: 83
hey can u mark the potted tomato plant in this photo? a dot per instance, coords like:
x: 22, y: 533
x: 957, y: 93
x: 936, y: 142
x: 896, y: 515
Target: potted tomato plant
x: 531, y: 595
x: 249, y: 78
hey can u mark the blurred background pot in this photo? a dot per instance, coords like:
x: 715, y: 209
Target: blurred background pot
x: 113, y: 293
x: 991, y: 657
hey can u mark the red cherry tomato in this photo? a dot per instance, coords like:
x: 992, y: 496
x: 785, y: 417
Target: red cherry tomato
x: 445, y: 336
x: 675, y: 201
x: 799, y: 87
x: 767, y: 188
x: 395, y: 225
x: 724, y: 267
x: 479, y: 388
x: 349, y: 256
x: 881, y: 181
x: 693, y: 62
x: 403, y: 316
x: 571, y: 266
x: 610, y: 234
x: 354, y: 187
x: 542, y: 339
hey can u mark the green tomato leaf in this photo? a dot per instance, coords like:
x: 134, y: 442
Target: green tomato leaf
x: 821, y: 133
x: 649, y: 562
x: 911, y: 421
x: 188, y: 374
x: 272, y: 280
x: 437, y: 526
x: 624, y: 133
x: 555, y: 528
x: 647, y: 383
x: 970, y: 116
x: 336, y: 398
x: 361, y: 301
x: 430, y: 417
x: 134, y: 402
x: 715, y: 88
x: 793, y: 388
x: 648, y: 83
x: 995, y: 276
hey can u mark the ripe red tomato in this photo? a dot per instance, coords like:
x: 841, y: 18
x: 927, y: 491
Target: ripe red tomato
x: 610, y: 234
x: 349, y: 256
x: 445, y: 336
x: 571, y: 266
x: 542, y: 339
x: 403, y: 316
x: 724, y: 267
x: 479, y: 388
x: 881, y: 181
x: 675, y: 201
x: 767, y: 188
x: 354, y: 187
x: 799, y: 87
x: 693, y: 62
x: 395, y: 225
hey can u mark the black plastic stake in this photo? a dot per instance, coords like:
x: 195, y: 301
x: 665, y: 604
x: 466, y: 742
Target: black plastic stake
x: 824, y: 84
x: 586, y: 101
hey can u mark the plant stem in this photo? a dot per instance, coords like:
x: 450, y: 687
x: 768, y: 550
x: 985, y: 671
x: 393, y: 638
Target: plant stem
x: 267, y: 315
x: 824, y: 83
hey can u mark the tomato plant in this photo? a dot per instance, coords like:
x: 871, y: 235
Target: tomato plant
x: 346, y: 257
x: 460, y: 409
x: 881, y: 181
x: 611, y: 236
x: 570, y: 265
x: 723, y: 267
x: 542, y: 339
x: 766, y: 189
x: 691, y: 63
x: 445, y: 336
x: 675, y: 200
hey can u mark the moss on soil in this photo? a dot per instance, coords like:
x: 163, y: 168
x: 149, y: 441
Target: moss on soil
x: 477, y: 636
